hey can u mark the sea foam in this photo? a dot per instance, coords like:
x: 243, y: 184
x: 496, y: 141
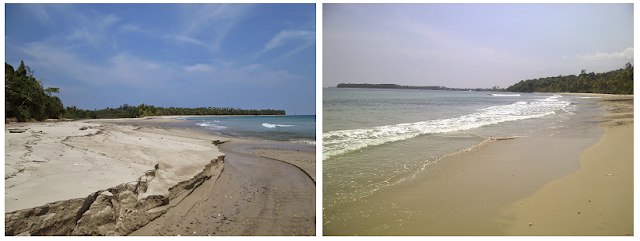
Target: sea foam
x: 211, y: 125
x: 268, y: 125
x: 505, y: 95
x: 344, y: 141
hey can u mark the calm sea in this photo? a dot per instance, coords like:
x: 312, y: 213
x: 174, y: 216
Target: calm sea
x: 374, y: 139
x: 290, y: 128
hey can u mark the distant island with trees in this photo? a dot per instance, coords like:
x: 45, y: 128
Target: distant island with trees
x: 618, y: 81
x: 26, y: 99
x: 409, y: 87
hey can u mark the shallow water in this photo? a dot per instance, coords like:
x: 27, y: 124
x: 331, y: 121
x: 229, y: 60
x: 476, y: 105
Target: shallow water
x: 290, y: 128
x: 403, y: 138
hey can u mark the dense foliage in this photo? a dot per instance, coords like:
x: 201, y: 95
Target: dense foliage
x: 26, y: 98
x: 126, y: 111
x: 613, y: 82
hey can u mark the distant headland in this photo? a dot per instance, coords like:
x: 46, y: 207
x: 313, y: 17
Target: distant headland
x: 410, y: 87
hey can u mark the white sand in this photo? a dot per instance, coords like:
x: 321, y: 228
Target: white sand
x: 58, y: 161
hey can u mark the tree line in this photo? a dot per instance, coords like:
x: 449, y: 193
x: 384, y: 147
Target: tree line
x: 618, y: 81
x: 26, y: 99
x: 127, y: 111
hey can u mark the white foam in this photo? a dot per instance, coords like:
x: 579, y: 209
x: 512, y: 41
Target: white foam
x: 589, y: 97
x: 268, y: 125
x: 211, y: 126
x: 344, y: 141
x: 505, y: 94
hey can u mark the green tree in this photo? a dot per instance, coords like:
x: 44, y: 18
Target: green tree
x: 26, y: 98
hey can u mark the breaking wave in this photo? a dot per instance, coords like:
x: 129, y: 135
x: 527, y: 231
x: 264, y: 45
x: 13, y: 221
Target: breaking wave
x: 267, y: 125
x: 505, y: 94
x: 211, y: 125
x: 344, y: 141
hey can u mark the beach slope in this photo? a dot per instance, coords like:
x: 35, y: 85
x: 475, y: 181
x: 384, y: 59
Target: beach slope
x: 595, y: 200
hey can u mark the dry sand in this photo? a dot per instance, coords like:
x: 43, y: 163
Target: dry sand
x: 84, y: 177
x: 595, y: 200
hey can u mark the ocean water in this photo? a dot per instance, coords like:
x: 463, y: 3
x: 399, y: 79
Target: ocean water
x: 289, y: 128
x: 375, y: 139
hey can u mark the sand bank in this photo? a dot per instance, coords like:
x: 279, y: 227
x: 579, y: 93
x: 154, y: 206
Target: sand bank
x: 595, y: 200
x: 98, y: 178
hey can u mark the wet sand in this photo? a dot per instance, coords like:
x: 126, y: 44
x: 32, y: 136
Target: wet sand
x: 83, y: 161
x: 595, y: 200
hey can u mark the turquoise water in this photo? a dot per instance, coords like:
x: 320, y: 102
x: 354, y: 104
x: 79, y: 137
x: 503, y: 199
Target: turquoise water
x: 374, y: 139
x: 290, y: 128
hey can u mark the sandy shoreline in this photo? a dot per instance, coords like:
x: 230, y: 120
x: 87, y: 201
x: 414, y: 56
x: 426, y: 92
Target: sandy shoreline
x: 595, y: 200
x: 85, y: 160
x: 478, y: 192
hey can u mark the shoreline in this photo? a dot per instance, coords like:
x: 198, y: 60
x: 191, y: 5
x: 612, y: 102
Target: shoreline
x: 595, y: 200
x: 108, y: 137
x: 470, y: 191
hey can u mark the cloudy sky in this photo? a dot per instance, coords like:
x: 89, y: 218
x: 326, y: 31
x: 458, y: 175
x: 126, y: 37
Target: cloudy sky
x: 472, y: 45
x: 182, y: 55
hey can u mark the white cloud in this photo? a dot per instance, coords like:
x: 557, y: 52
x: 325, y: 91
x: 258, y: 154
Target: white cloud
x: 39, y: 11
x: 200, y: 68
x: 121, y: 69
x: 105, y: 21
x: 187, y: 39
x: 286, y: 35
x: 626, y: 54
x: 129, y: 28
x: 206, y: 17
x: 211, y: 22
x: 253, y: 67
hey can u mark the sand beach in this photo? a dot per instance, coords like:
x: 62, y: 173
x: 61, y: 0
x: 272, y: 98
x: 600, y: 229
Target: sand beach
x: 127, y: 176
x: 595, y: 200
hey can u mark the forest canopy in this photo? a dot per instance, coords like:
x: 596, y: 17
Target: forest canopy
x: 26, y: 99
x: 613, y: 82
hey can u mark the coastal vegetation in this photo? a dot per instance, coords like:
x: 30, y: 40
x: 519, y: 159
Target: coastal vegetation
x: 127, y: 111
x: 618, y: 81
x: 613, y: 82
x: 26, y: 99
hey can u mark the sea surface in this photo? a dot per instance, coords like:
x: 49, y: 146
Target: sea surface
x: 289, y: 128
x: 375, y: 139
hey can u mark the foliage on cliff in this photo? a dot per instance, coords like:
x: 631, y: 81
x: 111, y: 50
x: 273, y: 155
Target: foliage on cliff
x: 26, y: 98
x: 613, y: 82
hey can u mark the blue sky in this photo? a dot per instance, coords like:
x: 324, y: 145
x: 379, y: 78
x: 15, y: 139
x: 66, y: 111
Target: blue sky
x: 249, y: 56
x: 472, y: 45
